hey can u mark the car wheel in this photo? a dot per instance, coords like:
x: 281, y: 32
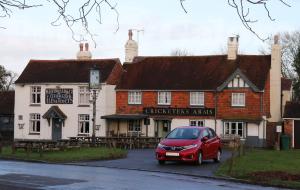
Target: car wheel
x: 218, y: 158
x: 161, y: 162
x: 200, y: 159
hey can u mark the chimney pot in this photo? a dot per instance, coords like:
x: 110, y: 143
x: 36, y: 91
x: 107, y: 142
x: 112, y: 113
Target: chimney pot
x: 86, y: 46
x: 81, y: 47
x: 276, y: 39
x: 130, y: 34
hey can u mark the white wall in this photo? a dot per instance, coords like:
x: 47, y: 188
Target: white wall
x: 105, y: 105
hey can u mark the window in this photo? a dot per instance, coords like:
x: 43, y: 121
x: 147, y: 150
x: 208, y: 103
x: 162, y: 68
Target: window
x: 205, y: 133
x: 84, y: 95
x: 35, y: 95
x: 199, y: 123
x: 35, y: 123
x: 234, y: 128
x: 212, y: 133
x: 84, y: 124
x: 134, y: 125
x: 238, y: 99
x: 134, y: 97
x: 164, y: 98
x: 196, y: 98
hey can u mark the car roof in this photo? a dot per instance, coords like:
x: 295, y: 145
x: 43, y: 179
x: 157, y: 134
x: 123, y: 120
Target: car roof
x: 194, y: 127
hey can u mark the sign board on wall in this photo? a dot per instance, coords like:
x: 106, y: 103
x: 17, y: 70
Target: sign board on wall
x: 279, y: 129
x: 180, y: 111
x: 59, y: 96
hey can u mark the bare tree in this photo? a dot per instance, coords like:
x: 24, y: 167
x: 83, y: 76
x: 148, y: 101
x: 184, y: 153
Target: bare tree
x: 180, y: 52
x: 290, y: 43
x: 91, y: 9
x: 7, y: 7
x: 243, y: 7
x: 7, y: 79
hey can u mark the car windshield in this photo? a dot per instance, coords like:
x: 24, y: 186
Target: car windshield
x: 184, y: 133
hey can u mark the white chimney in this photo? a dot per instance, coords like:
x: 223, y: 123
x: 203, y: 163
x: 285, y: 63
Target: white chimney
x: 131, y: 48
x: 275, y: 81
x: 84, y: 54
x: 233, y: 45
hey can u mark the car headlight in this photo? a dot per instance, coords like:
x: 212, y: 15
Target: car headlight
x: 190, y: 146
x: 160, y: 145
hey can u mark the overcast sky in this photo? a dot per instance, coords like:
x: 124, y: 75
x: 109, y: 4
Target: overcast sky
x: 203, y: 30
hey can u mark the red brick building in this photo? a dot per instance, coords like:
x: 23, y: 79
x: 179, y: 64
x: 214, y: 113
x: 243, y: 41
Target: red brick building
x: 229, y: 93
x: 292, y: 123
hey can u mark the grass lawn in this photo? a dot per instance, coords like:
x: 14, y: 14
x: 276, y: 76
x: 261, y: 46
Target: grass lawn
x: 267, y: 167
x: 70, y: 155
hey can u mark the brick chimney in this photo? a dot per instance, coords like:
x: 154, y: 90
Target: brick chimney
x: 84, y: 54
x: 131, y: 48
x: 275, y: 81
x: 232, y: 45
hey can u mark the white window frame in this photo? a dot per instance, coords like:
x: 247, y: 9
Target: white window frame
x: 35, y: 95
x: 238, y: 99
x: 228, y: 128
x: 84, y: 119
x: 197, y: 98
x: 164, y: 98
x: 134, y: 97
x: 83, y: 95
x: 197, y: 122
x: 34, y: 123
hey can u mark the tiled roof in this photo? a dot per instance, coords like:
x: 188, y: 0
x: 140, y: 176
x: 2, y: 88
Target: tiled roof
x: 66, y: 71
x: 192, y: 72
x: 7, y: 102
x: 286, y: 84
x: 292, y: 110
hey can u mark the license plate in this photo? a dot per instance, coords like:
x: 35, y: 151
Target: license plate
x: 172, y: 154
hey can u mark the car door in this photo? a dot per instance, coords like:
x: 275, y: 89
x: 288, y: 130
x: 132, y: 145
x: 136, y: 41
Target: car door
x: 214, y: 144
x: 205, y: 145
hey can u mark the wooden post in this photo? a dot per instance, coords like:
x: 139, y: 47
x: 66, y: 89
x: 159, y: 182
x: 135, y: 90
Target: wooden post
x: 118, y: 128
x: 13, y: 148
x: 0, y: 146
x: 41, y: 149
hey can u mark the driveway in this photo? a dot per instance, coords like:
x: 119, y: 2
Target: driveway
x: 144, y: 159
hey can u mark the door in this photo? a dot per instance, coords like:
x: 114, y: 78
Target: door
x: 214, y: 143
x: 205, y: 145
x: 162, y: 128
x: 297, y: 134
x: 56, y: 129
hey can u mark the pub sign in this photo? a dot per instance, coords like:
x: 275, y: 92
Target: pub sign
x: 179, y: 111
x: 59, y: 96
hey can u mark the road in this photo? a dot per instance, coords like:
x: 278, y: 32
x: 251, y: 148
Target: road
x: 28, y: 176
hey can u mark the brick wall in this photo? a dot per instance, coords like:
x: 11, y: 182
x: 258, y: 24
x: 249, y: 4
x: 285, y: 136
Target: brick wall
x: 181, y: 99
x: 252, y: 108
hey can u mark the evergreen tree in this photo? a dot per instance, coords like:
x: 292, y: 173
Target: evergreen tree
x: 296, y: 82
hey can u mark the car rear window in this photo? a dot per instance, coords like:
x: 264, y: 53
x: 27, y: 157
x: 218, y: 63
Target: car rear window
x: 184, y: 133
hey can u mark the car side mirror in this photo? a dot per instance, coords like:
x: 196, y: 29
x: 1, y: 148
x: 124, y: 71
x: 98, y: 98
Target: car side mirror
x: 204, y: 139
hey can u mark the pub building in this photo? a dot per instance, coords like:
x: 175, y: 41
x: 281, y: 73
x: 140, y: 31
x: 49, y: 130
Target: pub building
x: 233, y: 94
x: 52, y: 97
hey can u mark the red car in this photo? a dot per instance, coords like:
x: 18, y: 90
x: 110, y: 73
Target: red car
x: 189, y: 144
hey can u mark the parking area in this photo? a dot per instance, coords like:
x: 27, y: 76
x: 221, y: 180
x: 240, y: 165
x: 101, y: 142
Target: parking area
x: 144, y: 159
